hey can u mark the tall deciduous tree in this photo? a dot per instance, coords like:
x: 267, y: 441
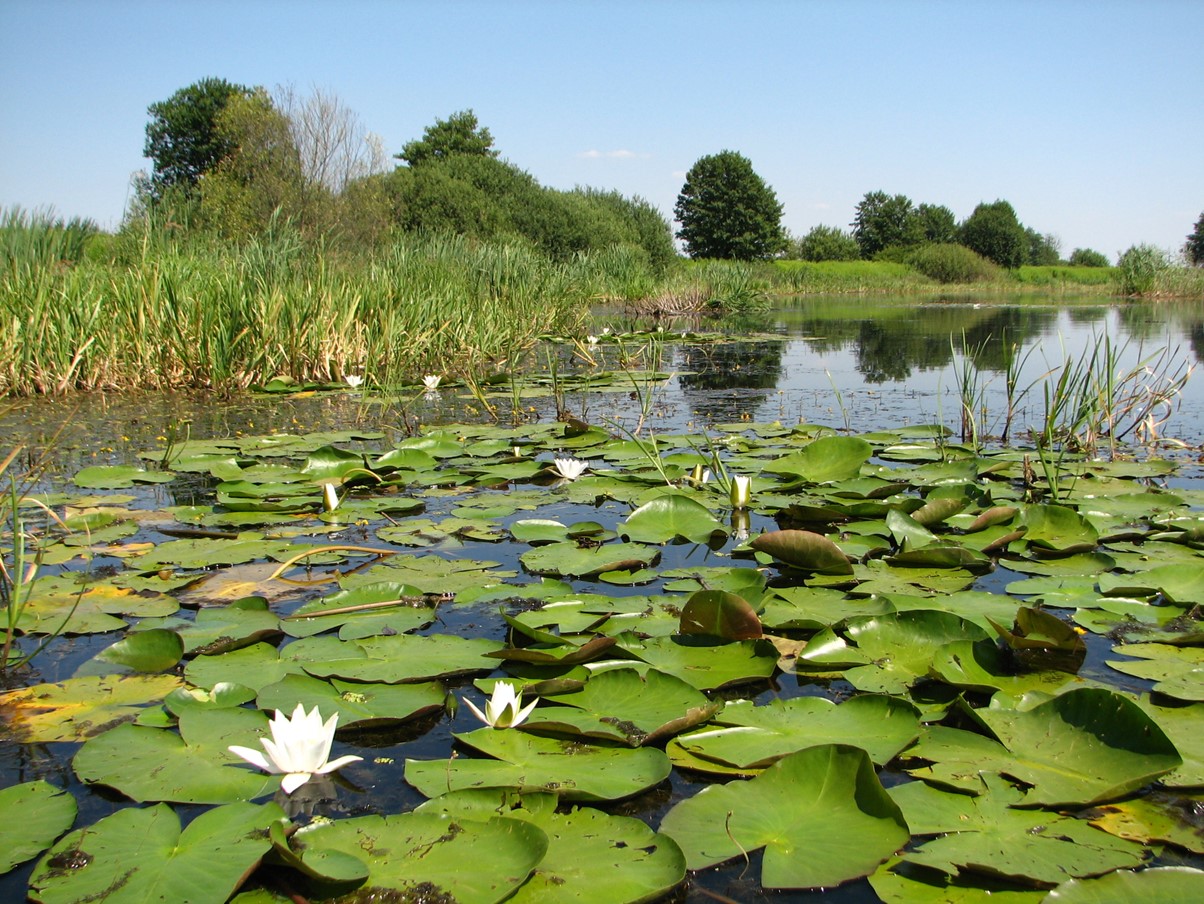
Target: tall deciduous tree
x: 727, y: 211
x: 460, y: 133
x: 1194, y: 248
x: 938, y: 223
x: 182, y: 136
x: 994, y: 232
x: 261, y: 177
x: 334, y: 147
x: 885, y: 221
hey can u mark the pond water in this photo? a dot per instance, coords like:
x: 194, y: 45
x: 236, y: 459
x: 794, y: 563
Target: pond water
x: 855, y: 365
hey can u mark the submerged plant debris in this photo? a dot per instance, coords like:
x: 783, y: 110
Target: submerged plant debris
x: 765, y: 659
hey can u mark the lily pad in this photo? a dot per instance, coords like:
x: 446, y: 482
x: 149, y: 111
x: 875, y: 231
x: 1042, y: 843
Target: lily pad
x: 825, y: 801
x: 136, y: 856
x: 525, y: 762
x: 80, y: 708
x: 35, y: 814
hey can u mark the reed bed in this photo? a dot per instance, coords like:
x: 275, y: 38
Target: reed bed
x: 226, y: 317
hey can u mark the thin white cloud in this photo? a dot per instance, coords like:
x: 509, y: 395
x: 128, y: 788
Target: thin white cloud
x: 620, y: 154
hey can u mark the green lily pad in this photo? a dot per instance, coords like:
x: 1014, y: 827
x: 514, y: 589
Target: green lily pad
x: 623, y: 706
x: 154, y: 764
x: 358, y: 704
x: 1059, y: 529
x: 669, y: 517
x: 717, y: 613
x: 137, y: 856
x: 35, y: 814
x: 1167, y: 818
x: 1116, y: 747
x: 1165, y: 884
x: 525, y: 762
x: 825, y: 800
x: 571, y: 560
x: 987, y: 834
x: 901, y: 646
x: 592, y: 856
x: 707, y: 666
x: 824, y: 460
x: 113, y: 477
x: 393, y: 659
x: 749, y: 738
x: 431, y: 856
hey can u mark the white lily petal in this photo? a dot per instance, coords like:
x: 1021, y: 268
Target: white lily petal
x: 254, y: 757
x: 522, y: 715
x: 338, y: 763
x: 293, y: 781
x: 476, y: 712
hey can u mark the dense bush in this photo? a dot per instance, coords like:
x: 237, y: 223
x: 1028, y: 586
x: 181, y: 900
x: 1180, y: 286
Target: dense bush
x: 1086, y: 257
x: 994, y: 232
x: 827, y: 243
x: 948, y: 263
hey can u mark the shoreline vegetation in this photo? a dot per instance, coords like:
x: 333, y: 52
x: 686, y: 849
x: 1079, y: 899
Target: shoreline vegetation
x: 155, y: 306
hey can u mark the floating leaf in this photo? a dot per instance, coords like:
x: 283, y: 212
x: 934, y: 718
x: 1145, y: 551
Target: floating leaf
x: 669, y: 517
x: 804, y: 549
x: 140, y: 855
x: 35, y: 814
x: 826, y: 801
x: 80, y: 708
x: 1165, y: 884
x: 525, y: 762
x: 987, y: 834
x: 717, y: 613
x: 430, y: 856
x: 825, y: 459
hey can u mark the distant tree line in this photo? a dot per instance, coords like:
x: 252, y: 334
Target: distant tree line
x: 234, y: 161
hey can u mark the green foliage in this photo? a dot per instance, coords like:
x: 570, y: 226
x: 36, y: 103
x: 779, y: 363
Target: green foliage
x: 1194, y: 247
x: 948, y: 263
x: 1086, y: 257
x: 994, y: 232
x: 458, y: 134
x: 728, y: 212
x: 182, y: 137
x: 260, y: 178
x: 1140, y: 267
x: 883, y: 222
x: 939, y: 223
x: 1042, y: 249
x: 827, y: 243
x: 643, y: 223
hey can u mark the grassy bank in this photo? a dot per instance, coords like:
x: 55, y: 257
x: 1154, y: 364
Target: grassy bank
x: 226, y: 317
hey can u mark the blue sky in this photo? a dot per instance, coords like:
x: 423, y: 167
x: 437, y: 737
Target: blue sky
x: 1086, y: 116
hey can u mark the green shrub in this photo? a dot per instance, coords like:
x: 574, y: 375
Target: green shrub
x: 952, y: 264
x: 827, y: 243
x: 1086, y: 257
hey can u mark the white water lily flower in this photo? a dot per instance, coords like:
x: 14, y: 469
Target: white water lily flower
x: 330, y: 497
x: 569, y: 468
x: 591, y: 341
x: 298, y: 749
x: 741, y: 491
x: 352, y: 380
x: 431, y: 382
x: 504, y: 708
x: 605, y: 331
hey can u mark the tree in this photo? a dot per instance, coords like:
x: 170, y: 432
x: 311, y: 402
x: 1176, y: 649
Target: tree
x: 1086, y: 257
x: 994, y: 232
x: 334, y: 147
x: 1043, y: 250
x: 827, y: 243
x: 458, y: 134
x: 1194, y: 248
x: 883, y: 221
x: 938, y: 224
x: 182, y: 138
x: 260, y: 178
x: 727, y: 211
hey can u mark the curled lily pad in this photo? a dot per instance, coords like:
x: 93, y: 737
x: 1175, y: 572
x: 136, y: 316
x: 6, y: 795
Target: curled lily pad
x: 805, y: 550
x: 717, y: 613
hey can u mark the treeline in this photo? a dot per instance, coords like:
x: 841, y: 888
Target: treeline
x: 232, y: 162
